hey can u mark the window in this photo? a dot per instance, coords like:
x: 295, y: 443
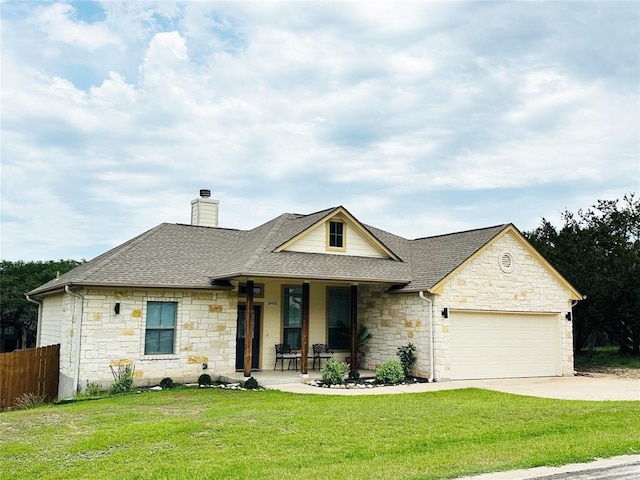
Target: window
x: 161, y: 327
x: 258, y: 290
x: 292, y: 313
x: 338, y: 318
x: 336, y: 234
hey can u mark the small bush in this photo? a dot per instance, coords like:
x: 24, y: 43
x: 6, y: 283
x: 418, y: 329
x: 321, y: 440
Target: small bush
x: 166, y: 383
x: 204, y: 380
x: 354, y: 375
x: 93, y: 389
x: 333, y: 372
x: 28, y: 400
x: 124, y: 381
x: 390, y: 372
x: 251, y: 383
x: 407, y: 357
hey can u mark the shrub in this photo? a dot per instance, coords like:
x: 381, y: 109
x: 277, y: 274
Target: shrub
x: 333, y: 372
x: 166, y: 383
x: 204, y: 379
x: 93, y: 389
x: 124, y: 380
x: 390, y: 372
x: 251, y: 383
x: 407, y: 357
x: 354, y: 375
x: 28, y: 400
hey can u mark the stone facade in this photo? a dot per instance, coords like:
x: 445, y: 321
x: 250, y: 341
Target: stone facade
x: 484, y: 284
x: 394, y: 320
x: 205, y: 333
x: 94, y: 337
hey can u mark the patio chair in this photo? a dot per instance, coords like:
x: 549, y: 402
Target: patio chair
x: 284, y: 352
x: 320, y: 351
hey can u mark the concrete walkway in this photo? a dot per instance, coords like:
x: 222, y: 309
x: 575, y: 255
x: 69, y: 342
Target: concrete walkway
x: 597, y: 387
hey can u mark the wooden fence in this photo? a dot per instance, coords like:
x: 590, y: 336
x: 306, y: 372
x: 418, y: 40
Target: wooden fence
x: 34, y: 370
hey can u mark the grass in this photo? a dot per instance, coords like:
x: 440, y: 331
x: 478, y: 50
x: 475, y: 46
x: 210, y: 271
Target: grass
x: 218, y: 434
x: 608, y: 360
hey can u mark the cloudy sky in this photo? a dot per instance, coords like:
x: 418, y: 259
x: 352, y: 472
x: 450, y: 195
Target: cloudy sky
x: 420, y: 118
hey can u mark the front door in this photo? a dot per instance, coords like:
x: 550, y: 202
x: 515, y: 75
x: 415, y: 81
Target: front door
x: 240, y: 339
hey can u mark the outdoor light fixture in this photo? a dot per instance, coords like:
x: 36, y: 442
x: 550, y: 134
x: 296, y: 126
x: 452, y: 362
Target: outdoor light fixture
x: 117, y: 308
x: 445, y: 312
x: 568, y: 316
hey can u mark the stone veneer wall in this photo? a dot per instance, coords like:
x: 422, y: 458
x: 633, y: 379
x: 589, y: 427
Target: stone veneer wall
x: 394, y: 320
x: 205, y: 333
x: 483, y: 285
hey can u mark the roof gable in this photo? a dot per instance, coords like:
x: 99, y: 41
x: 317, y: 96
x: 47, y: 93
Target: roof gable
x: 510, y: 229
x: 358, y: 239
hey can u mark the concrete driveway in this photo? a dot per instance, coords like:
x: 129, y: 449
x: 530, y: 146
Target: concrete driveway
x: 594, y: 387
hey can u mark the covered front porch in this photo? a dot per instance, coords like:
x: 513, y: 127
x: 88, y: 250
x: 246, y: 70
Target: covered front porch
x: 297, y: 314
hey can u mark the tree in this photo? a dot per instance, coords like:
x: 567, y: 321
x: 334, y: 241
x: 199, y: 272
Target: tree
x: 598, y: 251
x: 16, y: 313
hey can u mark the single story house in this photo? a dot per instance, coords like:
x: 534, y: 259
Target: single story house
x: 179, y: 299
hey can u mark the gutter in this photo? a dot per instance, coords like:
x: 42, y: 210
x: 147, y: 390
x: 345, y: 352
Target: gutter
x: 39, y: 324
x: 431, y: 342
x: 78, y: 334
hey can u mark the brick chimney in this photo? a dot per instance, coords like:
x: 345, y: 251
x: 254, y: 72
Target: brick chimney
x: 204, y: 210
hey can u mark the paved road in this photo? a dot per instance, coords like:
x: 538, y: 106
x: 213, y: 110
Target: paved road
x: 626, y: 467
x: 629, y: 471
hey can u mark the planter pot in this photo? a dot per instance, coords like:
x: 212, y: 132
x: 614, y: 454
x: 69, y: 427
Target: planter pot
x: 358, y: 362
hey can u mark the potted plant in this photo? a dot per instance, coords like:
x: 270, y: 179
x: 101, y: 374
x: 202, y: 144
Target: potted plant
x: 363, y: 338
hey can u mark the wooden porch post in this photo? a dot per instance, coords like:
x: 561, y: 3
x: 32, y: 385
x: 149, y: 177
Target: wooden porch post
x: 305, y: 329
x: 353, y: 311
x: 248, y: 330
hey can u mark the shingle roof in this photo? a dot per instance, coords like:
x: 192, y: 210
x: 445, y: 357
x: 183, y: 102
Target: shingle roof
x: 185, y: 256
x: 433, y: 258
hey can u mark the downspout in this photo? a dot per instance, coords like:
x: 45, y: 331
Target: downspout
x: 39, y: 325
x: 78, y: 332
x: 431, y: 342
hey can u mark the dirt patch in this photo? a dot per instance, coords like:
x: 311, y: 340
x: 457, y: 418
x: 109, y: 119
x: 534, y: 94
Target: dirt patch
x: 618, y: 372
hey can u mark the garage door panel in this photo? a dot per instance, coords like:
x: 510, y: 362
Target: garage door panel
x: 485, y: 345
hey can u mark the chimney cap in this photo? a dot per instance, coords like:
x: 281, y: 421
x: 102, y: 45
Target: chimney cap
x: 205, y: 193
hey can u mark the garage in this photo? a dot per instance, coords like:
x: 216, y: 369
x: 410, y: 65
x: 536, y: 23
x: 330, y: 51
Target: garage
x: 503, y: 345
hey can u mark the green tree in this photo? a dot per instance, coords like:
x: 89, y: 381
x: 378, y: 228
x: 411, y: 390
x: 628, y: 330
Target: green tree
x: 16, y: 279
x: 598, y: 251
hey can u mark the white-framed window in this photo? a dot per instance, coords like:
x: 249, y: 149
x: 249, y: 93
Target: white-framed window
x: 336, y: 235
x: 160, y: 328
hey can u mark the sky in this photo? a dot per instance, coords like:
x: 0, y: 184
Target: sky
x: 420, y: 118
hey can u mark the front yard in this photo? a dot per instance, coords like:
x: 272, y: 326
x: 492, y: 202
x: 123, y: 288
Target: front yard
x: 221, y: 434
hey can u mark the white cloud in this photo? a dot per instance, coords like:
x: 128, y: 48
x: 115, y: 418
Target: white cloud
x: 58, y: 23
x: 442, y: 112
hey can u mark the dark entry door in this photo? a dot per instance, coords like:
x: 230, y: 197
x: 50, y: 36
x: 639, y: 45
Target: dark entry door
x: 255, y: 341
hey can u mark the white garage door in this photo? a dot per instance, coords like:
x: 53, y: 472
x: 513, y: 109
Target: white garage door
x: 503, y: 345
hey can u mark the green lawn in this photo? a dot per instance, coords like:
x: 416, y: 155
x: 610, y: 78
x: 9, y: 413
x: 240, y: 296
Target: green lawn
x: 219, y: 434
x: 606, y: 359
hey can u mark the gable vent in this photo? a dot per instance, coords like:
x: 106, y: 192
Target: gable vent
x: 506, y: 263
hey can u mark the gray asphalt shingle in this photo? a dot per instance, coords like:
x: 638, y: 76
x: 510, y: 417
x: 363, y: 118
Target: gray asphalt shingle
x: 185, y: 256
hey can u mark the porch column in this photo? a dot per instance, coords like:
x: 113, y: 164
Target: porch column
x: 248, y: 330
x: 353, y: 312
x: 305, y: 329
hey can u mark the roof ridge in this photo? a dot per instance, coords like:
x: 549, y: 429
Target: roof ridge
x: 278, y: 221
x: 503, y: 225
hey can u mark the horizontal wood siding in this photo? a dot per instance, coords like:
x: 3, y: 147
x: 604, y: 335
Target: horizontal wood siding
x: 315, y: 241
x: 51, y: 327
x: 34, y: 371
